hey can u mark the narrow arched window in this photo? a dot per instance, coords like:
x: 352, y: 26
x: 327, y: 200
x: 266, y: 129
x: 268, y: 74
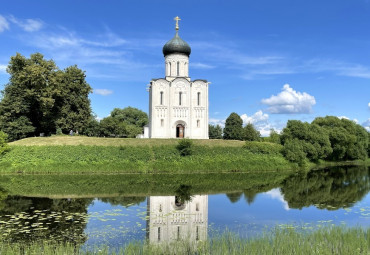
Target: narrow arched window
x: 161, y: 99
x: 198, y: 98
x: 162, y: 122
x: 159, y: 234
x: 198, y: 123
x: 170, y: 69
x: 178, y: 68
x: 180, y: 95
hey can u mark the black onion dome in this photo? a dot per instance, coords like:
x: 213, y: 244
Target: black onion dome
x: 176, y: 45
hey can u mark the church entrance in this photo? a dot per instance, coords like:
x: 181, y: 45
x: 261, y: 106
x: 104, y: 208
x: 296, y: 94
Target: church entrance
x: 180, y: 131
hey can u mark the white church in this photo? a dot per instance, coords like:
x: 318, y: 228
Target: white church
x: 178, y: 106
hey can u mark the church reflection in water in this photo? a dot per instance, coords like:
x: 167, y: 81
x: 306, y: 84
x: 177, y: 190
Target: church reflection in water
x: 169, y: 219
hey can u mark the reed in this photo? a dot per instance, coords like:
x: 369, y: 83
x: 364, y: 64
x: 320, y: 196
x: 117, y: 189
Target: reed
x: 328, y: 240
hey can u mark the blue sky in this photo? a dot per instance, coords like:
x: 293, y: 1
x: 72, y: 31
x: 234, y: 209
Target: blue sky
x: 268, y: 61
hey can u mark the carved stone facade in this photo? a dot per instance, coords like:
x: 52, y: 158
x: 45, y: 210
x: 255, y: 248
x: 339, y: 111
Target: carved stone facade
x: 178, y: 107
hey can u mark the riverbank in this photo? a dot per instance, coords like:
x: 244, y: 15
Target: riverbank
x: 327, y: 240
x: 106, y: 155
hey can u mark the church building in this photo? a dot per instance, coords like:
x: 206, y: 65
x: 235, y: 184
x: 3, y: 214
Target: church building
x: 178, y: 106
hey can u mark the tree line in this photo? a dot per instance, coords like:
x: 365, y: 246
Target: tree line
x: 325, y: 138
x: 41, y: 99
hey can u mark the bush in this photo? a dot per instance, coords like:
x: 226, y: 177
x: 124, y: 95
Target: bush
x: 294, y: 151
x: 263, y: 147
x: 185, y: 147
x: 59, y: 131
x: 4, y: 147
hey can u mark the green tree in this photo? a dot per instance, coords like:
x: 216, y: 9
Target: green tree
x: 274, y: 137
x: 92, y: 127
x: 39, y: 97
x: 72, y: 104
x: 130, y: 116
x: 313, y: 139
x: 250, y: 133
x: 214, y: 132
x: 233, y: 127
x: 294, y: 151
x: 349, y: 141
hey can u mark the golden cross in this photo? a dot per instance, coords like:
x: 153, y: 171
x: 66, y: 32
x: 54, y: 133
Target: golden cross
x: 177, y: 18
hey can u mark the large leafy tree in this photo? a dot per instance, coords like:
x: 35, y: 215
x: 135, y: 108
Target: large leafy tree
x: 39, y: 97
x: 348, y: 140
x: 312, y: 139
x: 214, y: 132
x: 130, y: 116
x: 250, y: 133
x: 72, y: 103
x: 127, y: 122
x: 233, y: 127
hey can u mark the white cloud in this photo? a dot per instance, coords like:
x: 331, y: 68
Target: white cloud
x: 366, y: 125
x: 368, y: 105
x: 276, y: 194
x: 3, y: 68
x: 201, y: 66
x: 259, y: 120
x: 345, y: 117
x: 103, y: 92
x: 4, y: 25
x: 338, y: 67
x: 28, y: 25
x: 255, y: 118
x: 214, y: 121
x: 290, y: 101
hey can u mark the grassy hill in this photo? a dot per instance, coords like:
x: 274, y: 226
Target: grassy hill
x: 100, y: 141
x: 79, y: 154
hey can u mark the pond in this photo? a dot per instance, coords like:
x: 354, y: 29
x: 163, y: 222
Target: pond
x: 116, y: 209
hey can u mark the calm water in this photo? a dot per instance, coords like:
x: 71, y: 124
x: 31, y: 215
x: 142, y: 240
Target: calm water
x: 318, y: 198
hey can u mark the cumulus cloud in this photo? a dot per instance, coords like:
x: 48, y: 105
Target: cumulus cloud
x: 290, y: 101
x: 28, y: 25
x: 3, y: 68
x: 255, y: 118
x: 214, y: 121
x: 103, y: 92
x: 366, y: 125
x: 4, y: 25
x: 259, y: 119
x: 368, y: 105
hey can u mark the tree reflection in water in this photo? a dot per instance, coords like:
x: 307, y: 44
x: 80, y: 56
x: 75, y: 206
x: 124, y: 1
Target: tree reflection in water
x: 331, y: 189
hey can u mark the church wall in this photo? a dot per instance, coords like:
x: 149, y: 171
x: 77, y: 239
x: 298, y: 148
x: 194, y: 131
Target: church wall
x: 171, y: 65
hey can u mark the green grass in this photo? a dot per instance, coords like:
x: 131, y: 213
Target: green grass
x: 142, y: 156
x: 330, y: 240
x: 100, y: 141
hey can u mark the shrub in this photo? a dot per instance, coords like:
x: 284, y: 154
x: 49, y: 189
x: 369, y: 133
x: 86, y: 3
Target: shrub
x: 59, y: 131
x: 185, y: 147
x: 4, y: 147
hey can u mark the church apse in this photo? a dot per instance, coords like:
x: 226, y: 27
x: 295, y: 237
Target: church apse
x: 170, y: 219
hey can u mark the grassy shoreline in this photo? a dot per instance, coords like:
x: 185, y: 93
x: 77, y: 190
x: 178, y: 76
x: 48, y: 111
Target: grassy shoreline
x: 87, y: 155
x: 65, y: 154
x: 328, y: 240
